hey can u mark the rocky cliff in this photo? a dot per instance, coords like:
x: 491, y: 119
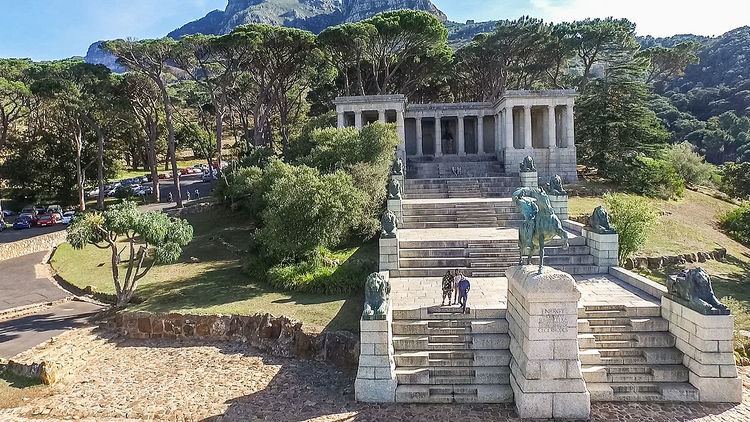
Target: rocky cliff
x: 311, y: 15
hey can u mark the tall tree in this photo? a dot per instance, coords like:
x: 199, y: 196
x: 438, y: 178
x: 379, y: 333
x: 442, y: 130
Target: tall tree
x: 669, y: 63
x: 151, y: 58
x: 15, y: 95
x: 401, y: 37
x: 344, y: 45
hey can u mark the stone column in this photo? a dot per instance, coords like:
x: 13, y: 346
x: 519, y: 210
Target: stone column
x: 381, y: 116
x: 461, y: 137
x: 376, y: 375
x: 438, y: 137
x: 509, y: 141
x: 358, y: 119
x: 551, y: 127
x: 499, y: 132
x: 419, y: 136
x: 480, y: 134
x: 569, y: 140
x: 527, y: 127
x: 401, y: 130
x: 545, y: 371
x: 341, y: 120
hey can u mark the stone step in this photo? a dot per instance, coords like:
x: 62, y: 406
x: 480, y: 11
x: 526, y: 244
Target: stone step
x: 634, y: 373
x: 450, y: 327
x: 624, y: 340
x: 477, y: 244
x: 473, y: 358
x: 448, y: 314
x: 631, y: 356
x: 454, y: 394
x: 643, y: 392
x: 457, y: 195
x: 461, y: 225
x: 494, y: 271
x: 616, y: 311
x: 451, y: 375
x: 622, y: 324
x: 475, y: 342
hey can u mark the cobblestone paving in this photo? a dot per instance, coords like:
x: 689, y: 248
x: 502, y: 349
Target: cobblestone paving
x: 160, y: 380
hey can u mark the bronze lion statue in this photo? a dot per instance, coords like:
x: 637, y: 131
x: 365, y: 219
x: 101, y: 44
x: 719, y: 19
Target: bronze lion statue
x: 599, y: 221
x: 555, y: 186
x: 377, y: 292
x: 693, y: 288
x: 394, y: 189
x: 389, y: 225
x: 527, y: 165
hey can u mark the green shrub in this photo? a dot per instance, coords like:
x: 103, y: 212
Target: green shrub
x: 653, y: 177
x: 327, y: 272
x: 632, y: 217
x: 737, y: 224
x: 341, y: 148
x: 305, y: 210
x: 735, y: 180
x: 741, y: 314
x: 689, y: 164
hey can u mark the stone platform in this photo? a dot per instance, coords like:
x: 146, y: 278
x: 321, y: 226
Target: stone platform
x: 490, y: 292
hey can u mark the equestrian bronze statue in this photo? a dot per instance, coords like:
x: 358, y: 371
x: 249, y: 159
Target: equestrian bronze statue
x: 540, y: 224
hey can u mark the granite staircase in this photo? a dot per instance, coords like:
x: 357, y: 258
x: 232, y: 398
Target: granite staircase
x: 449, y: 357
x: 447, y: 167
x: 485, y: 258
x: 628, y: 354
x: 462, y: 186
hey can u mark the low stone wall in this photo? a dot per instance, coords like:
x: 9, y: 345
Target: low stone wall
x: 192, y: 209
x: 278, y: 336
x: 706, y: 343
x: 31, y: 245
x: 658, y: 262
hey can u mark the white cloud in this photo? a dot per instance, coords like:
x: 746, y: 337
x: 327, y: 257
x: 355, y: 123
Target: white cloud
x: 654, y: 17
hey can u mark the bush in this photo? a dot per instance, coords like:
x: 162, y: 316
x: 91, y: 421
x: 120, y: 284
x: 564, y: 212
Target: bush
x: 327, y: 272
x: 737, y: 224
x: 632, y: 217
x: 653, y: 177
x: 689, y: 164
x: 341, y: 148
x: 741, y: 315
x: 735, y: 180
x: 305, y: 210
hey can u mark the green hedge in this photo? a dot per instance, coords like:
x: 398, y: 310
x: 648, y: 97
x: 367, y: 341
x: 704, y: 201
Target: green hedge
x: 737, y: 224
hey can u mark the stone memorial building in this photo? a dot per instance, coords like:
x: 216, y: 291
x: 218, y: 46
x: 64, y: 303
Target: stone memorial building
x: 581, y: 330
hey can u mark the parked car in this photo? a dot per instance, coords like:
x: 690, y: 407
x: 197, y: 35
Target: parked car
x: 46, y: 220
x: 165, y: 175
x: 143, y: 190
x: 208, y: 176
x: 55, y: 209
x: 3, y: 225
x: 8, y: 214
x: 23, y: 222
x: 29, y: 212
x: 67, y: 217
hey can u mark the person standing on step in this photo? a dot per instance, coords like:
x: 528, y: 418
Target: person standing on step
x: 448, y: 286
x: 457, y: 276
x: 463, y: 292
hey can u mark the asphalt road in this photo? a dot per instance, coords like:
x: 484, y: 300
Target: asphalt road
x: 24, y: 281
x: 19, y: 335
x: 188, y: 183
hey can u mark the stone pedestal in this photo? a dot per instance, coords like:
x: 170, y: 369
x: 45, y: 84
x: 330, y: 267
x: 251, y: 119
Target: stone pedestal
x: 706, y: 344
x: 543, y: 323
x: 560, y: 205
x: 604, y: 248
x: 376, y: 376
x: 529, y: 179
x: 394, y: 205
x: 389, y: 253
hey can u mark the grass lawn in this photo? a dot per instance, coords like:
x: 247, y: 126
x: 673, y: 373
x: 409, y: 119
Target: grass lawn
x: 15, y: 390
x: 209, y: 279
x: 687, y: 225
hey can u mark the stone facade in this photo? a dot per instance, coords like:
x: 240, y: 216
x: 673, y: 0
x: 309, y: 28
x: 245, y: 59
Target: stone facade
x: 519, y: 124
x: 389, y: 253
x: 706, y: 343
x: 543, y: 323
x: 278, y: 336
x: 31, y: 245
x: 604, y: 248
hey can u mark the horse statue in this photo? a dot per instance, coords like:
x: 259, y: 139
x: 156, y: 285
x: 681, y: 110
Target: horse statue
x: 540, y: 224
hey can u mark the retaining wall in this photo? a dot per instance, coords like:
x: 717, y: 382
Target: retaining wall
x: 31, y: 245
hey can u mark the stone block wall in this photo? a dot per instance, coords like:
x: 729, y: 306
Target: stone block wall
x: 278, y: 336
x: 604, y: 248
x: 706, y: 343
x: 543, y: 324
x: 389, y: 253
x: 31, y: 245
x: 548, y: 162
x: 376, y: 376
x: 560, y: 205
x: 394, y: 205
x: 529, y: 179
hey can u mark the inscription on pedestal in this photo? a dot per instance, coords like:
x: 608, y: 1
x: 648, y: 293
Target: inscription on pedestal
x: 553, y: 321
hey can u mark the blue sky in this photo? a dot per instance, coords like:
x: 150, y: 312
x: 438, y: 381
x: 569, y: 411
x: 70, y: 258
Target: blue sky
x: 53, y: 29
